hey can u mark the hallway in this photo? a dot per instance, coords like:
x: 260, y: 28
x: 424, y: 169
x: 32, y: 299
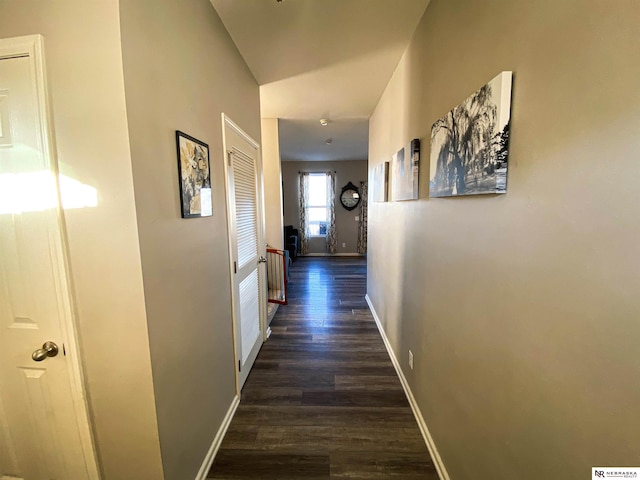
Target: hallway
x: 323, y: 400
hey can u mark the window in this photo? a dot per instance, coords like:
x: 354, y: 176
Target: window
x: 317, y: 207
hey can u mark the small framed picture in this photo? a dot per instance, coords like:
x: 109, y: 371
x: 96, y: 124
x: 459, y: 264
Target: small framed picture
x: 194, y: 176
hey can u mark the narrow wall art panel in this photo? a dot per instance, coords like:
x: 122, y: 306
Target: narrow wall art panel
x: 381, y: 182
x: 469, y: 145
x: 406, y: 168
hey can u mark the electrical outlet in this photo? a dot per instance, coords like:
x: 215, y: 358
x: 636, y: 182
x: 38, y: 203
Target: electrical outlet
x: 344, y: 245
x: 410, y: 359
x: 357, y: 218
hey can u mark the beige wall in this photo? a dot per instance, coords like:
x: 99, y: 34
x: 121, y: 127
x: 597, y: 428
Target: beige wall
x: 272, y: 183
x: 354, y: 171
x: 181, y: 71
x: 84, y: 66
x: 522, y: 310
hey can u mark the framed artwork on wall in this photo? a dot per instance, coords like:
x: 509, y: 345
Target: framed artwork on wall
x: 194, y: 175
x: 381, y: 182
x: 469, y: 145
x: 406, y: 168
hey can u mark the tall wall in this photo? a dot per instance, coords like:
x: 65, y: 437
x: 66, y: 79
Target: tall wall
x: 522, y: 309
x: 84, y: 68
x: 272, y: 183
x: 181, y: 71
x: 354, y: 171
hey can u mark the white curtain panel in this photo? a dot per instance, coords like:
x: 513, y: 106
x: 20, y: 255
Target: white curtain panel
x: 303, y: 202
x: 362, y: 226
x: 332, y: 241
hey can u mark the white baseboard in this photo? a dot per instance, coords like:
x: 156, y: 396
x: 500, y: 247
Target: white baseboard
x: 332, y: 255
x: 217, y: 441
x: 431, y: 446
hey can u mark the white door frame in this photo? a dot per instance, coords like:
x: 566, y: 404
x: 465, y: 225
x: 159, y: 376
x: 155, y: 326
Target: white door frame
x: 231, y: 231
x: 32, y: 47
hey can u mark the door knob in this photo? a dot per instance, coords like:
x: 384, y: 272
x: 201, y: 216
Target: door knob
x: 262, y: 260
x: 49, y: 349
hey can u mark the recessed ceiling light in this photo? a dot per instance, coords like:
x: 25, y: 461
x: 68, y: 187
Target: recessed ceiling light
x: 324, y: 122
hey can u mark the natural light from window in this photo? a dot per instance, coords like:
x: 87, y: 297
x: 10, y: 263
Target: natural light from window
x: 317, y: 208
x: 36, y: 191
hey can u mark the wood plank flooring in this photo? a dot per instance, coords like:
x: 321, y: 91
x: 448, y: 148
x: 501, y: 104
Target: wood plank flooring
x: 323, y: 400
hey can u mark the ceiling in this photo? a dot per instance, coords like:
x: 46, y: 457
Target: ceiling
x: 321, y: 59
x: 307, y: 140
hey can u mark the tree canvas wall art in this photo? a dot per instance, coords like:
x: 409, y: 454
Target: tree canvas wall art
x: 405, y: 171
x: 469, y: 145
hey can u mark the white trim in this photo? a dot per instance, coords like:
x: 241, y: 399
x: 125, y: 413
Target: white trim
x: 226, y: 120
x: 217, y: 441
x: 231, y: 232
x: 428, y: 439
x: 331, y: 255
x: 32, y: 46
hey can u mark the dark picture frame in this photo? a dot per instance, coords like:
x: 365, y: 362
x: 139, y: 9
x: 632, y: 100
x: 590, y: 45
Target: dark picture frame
x: 194, y: 176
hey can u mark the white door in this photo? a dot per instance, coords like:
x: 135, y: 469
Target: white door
x: 44, y: 429
x: 244, y: 182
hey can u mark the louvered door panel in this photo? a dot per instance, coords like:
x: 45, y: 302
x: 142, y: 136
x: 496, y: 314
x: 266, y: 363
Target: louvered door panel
x: 250, y: 314
x: 244, y: 180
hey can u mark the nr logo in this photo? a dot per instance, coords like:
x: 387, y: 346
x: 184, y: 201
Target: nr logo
x: 599, y: 473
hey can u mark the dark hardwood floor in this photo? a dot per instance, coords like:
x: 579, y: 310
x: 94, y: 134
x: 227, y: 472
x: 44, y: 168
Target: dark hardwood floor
x: 323, y: 400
